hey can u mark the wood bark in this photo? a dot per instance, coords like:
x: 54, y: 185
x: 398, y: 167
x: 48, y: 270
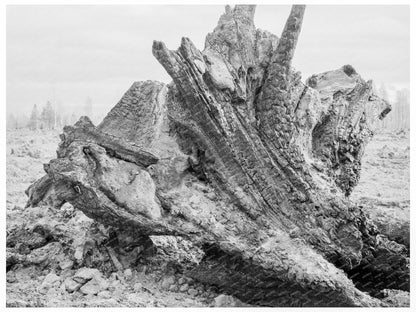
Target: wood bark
x: 243, y: 159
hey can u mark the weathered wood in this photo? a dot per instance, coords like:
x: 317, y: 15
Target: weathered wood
x: 241, y: 158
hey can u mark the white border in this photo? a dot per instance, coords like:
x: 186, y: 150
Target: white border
x: 221, y: 2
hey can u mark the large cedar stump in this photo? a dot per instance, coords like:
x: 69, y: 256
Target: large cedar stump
x: 240, y: 157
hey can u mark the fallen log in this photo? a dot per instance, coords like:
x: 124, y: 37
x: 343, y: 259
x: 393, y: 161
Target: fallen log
x: 244, y: 160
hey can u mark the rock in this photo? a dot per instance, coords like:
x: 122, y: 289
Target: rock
x: 71, y: 285
x: 167, y: 281
x: 189, y: 280
x: 119, y: 275
x: 102, y: 282
x: 118, y: 291
x: 113, y: 276
x: 137, y: 287
x: 50, y: 281
x: 78, y: 255
x: 228, y: 301
x: 66, y: 264
x: 192, y: 292
x: 10, y: 277
x: 173, y: 288
x: 83, y: 275
x: 211, y: 295
x: 52, y: 294
x: 62, y: 288
x: 188, y: 302
x: 116, y: 283
x: 68, y: 210
x: 91, y: 288
x: 181, y: 281
x: 105, y: 294
x: 128, y: 274
x: 67, y: 273
x: 34, y: 154
x: 184, y: 288
x: 92, y: 279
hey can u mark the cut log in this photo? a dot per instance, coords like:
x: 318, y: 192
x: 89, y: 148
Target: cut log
x: 241, y: 158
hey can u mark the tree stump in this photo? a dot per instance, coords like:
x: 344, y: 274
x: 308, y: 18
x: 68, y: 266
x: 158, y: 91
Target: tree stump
x: 243, y: 159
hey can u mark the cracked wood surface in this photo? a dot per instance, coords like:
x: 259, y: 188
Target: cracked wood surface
x: 238, y: 156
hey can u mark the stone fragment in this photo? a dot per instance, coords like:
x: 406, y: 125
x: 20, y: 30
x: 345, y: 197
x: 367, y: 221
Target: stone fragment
x: 105, y: 294
x: 181, y: 281
x: 83, y: 275
x: 192, y: 292
x: 78, y: 255
x: 184, y: 288
x: 116, y: 283
x: 66, y: 264
x: 128, y: 274
x: 228, y: 301
x: 50, y: 281
x: 71, y: 285
x: 137, y: 287
x: 10, y: 277
x: 167, y: 281
x: 90, y: 288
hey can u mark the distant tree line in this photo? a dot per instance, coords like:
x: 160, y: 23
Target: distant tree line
x: 399, y: 117
x: 48, y: 117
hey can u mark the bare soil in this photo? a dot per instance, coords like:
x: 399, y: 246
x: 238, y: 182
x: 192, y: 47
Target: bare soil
x: 152, y: 280
x: 383, y: 189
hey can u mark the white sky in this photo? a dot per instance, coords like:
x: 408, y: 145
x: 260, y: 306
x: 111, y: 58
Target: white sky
x: 99, y: 51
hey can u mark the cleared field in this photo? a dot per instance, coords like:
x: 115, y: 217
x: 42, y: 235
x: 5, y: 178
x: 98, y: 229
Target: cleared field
x: 153, y: 280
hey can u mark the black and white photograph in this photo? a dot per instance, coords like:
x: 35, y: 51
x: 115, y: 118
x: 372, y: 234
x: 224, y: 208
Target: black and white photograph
x: 207, y: 155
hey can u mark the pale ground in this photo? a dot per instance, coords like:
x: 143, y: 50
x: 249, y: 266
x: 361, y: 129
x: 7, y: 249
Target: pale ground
x: 383, y: 191
x: 144, y: 287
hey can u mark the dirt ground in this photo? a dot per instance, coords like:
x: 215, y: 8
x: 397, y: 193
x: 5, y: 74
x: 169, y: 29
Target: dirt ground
x: 46, y: 274
x: 383, y: 189
x: 52, y: 271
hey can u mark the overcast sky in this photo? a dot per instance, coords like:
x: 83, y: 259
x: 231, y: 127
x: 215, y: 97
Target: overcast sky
x: 99, y: 51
